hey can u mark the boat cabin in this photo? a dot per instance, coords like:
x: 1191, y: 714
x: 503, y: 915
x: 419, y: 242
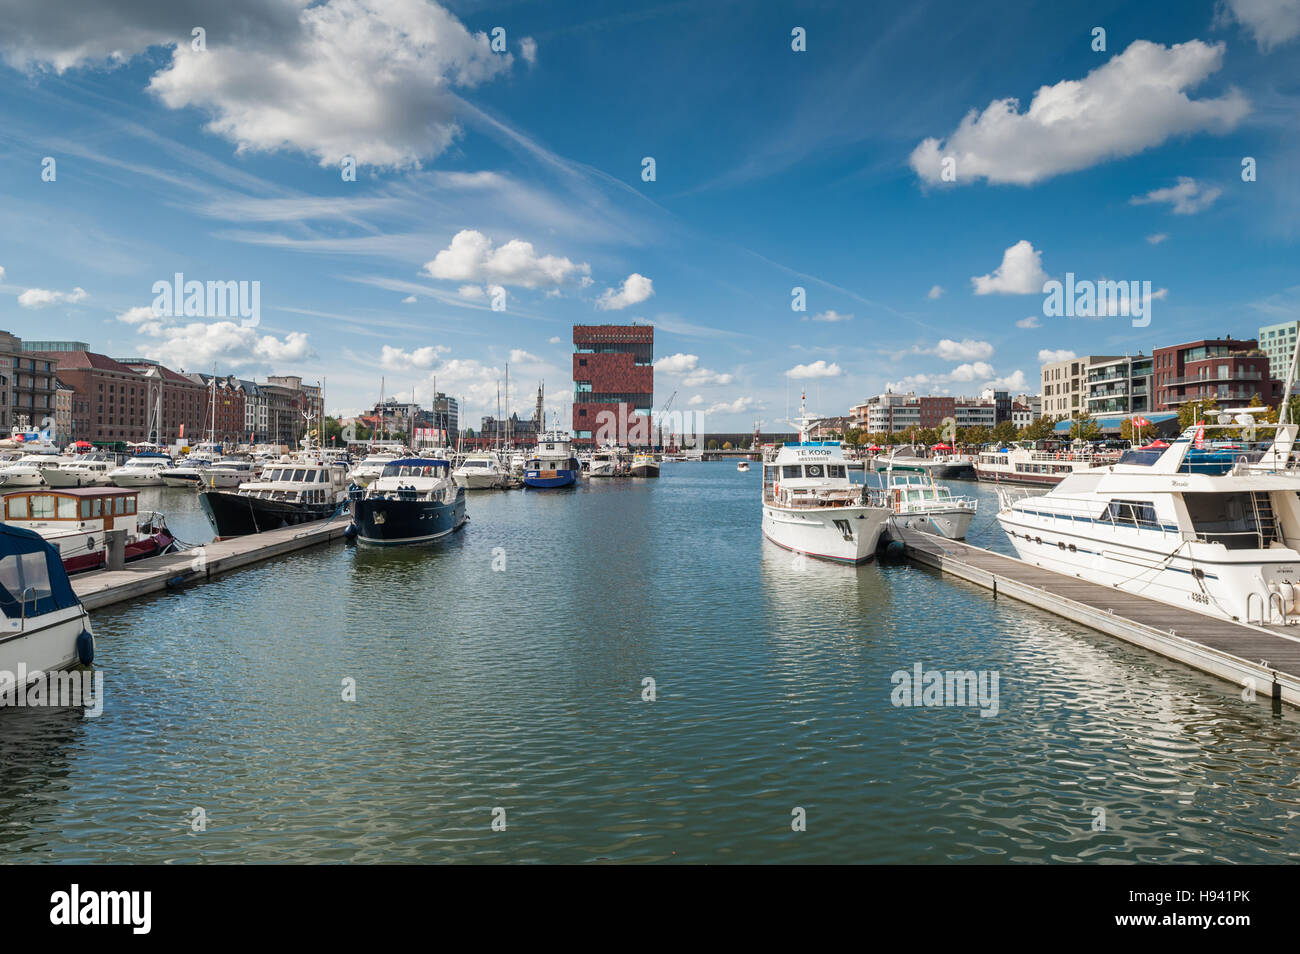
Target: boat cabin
x: 74, y: 508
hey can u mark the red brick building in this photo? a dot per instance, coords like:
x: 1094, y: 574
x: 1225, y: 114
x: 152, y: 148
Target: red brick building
x: 613, y: 383
x: 228, y: 424
x: 109, y: 400
x: 179, y: 414
x: 1229, y: 370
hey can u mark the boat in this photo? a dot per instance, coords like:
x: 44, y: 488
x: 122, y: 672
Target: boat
x: 552, y: 463
x: 44, y: 627
x: 742, y: 466
x: 811, y: 507
x: 916, y: 502
x: 230, y: 472
x: 88, y: 471
x: 142, y: 470
x: 75, y: 520
x: 295, y: 490
x: 414, y: 500
x: 1209, y: 535
x: 187, y: 473
x: 644, y: 465
x: 26, y: 471
x: 481, y: 471
x: 1023, y: 465
x: 371, y: 467
x: 609, y: 462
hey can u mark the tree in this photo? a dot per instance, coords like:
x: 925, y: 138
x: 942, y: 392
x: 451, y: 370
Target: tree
x: 1193, y: 412
x: 975, y: 435
x: 1005, y: 432
x: 1137, y: 434
x: 1084, y: 428
x: 1039, y: 429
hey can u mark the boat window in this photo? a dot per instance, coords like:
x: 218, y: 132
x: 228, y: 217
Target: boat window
x: 17, y: 507
x: 300, y: 474
x: 42, y: 506
x: 1133, y: 513
x: 99, y: 506
x: 1232, y: 519
x: 838, y: 471
x: 130, y: 505
x: 18, y: 571
x: 790, y: 472
x: 813, y: 470
x: 85, y: 510
x: 67, y: 508
x: 119, y: 505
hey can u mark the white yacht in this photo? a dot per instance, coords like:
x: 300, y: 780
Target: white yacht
x: 481, y: 471
x: 916, y: 502
x: 370, y: 467
x: 230, y: 472
x: 26, y: 471
x: 811, y: 507
x: 142, y: 470
x: 609, y: 462
x: 741, y: 465
x: 1208, y: 530
x: 88, y: 471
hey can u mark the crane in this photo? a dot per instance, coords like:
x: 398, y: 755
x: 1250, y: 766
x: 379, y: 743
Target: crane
x: 662, y: 412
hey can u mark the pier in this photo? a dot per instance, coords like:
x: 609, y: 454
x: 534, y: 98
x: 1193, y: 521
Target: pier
x: 1264, y: 657
x: 100, y: 588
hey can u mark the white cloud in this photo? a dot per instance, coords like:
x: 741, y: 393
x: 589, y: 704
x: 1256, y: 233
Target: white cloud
x: 42, y: 297
x: 225, y: 343
x: 472, y: 258
x: 371, y: 79
x: 409, y: 300
x: 1047, y: 355
x: 1186, y: 198
x: 528, y: 50
x: 138, y: 315
x: 968, y: 349
x: 936, y: 291
x: 1134, y: 101
x: 734, y: 407
x: 1157, y: 238
x: 829, y: 315
x: 677, y: 363
x: 520, y: 356
x: 555, y: 340
x: 636, y: 289
x: 397, y: 359
x: 978, y: 370
x: 2, y: 273
x: 696, y: 400
x: 1271, y: 22
x: 1015, y: 382
x: 472, y: 292
x: 1021, y: 273
x: 818, y: 369
x: 1029, y: 322
x: 703, y: 377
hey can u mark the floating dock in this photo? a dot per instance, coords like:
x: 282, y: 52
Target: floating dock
x: 1266, y: 658
x: 100, y: 588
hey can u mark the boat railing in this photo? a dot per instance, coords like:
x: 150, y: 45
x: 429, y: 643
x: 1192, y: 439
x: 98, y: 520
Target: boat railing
x: 817, y: 498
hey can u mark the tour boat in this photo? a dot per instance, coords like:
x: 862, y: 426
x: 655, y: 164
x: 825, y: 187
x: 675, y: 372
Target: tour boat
x: 414, y: 500
x: 916, y: 502
x: 482, y: 471
x: 811, y: 507
x: 295, y: 490
x: 1022, y: 465
x: 44, y: 628
x: 552, y: 463
x: 644, y: 465
x: 142, y: 470
x: 75, y: 520
x: 370, y: 467
x: 1215, y: 536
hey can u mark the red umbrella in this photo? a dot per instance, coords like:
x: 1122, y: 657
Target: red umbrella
x: 941, y: 447
x: 1155, y: 445
x: 82, y: 444
x: 875, y: 447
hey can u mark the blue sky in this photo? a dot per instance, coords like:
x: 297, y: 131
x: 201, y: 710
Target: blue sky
x: 522, y: 170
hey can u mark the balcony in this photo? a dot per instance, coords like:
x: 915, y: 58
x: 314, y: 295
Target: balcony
x: 1233, y: 375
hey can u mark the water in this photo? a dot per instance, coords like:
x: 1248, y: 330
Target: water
x: 520, y: 689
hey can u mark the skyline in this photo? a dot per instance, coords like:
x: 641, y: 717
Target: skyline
x: 775, y: 169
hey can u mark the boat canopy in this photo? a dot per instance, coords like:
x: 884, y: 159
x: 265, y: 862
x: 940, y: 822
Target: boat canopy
x: 394, y: 468
x: 31, y: 572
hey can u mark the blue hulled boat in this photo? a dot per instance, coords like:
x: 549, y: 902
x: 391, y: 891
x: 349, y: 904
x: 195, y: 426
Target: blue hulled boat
x: 552, y: 463
x: 414, y: 500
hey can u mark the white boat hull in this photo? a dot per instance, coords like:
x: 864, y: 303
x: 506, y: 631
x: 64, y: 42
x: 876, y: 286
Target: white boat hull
x: 47, y: 644
x: 841, y: 534
x: 952, y: 524
x: 479, y: 481
x: 182, y: 480
x: 17, y: 481
x: 137, y: 480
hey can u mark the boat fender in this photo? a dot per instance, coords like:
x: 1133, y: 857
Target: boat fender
x: 86, y: 647
x: 350, y: 531
x: 175, y: 581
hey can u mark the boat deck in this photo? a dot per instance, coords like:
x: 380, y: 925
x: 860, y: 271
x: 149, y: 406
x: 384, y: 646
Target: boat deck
x: 100, y: 588
x: 1268, y: 656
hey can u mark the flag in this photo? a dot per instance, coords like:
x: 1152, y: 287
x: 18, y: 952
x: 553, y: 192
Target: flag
x: 1200, y: 435
x: 1141, y: 422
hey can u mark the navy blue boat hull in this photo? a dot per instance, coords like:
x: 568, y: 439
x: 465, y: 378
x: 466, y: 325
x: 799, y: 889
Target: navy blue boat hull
x: 388, y: 522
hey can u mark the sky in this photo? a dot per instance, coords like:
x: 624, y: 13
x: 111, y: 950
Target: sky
x: 428, y: 192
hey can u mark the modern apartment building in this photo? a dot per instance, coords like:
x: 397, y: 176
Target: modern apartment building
x: 1065, y: 385
x: 1227, y: 369
x: 613, y: 376
x: 1119, y: 385
x: 1278, y: 342
x: 894, y: 413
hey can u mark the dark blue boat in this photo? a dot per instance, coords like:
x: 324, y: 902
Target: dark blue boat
x: 414, y: 500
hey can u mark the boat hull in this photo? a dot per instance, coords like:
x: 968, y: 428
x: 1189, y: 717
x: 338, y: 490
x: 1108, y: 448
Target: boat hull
x: 549, y: 479
x: 952, y: 524
x: 235, y: 515
x: 138, y: 480
x: 645, y: 470
x: 183, y: 480
x: 385, y: 522
x: 473, y: 481
x: 838, y: 534
x: 47, y: 644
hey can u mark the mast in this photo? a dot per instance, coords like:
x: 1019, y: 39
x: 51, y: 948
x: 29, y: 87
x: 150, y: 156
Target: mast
x: 507, y: 404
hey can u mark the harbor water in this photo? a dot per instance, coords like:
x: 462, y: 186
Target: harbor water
x: 502, y: 677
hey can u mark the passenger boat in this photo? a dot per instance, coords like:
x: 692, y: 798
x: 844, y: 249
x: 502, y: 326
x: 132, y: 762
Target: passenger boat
x: 552, y: 463
x: 75, y: 520
x: 142, y: 470
x: 44, y: 628
x: 1218, y: 537
x: 916, y: 502
x: 230, y: 472
x: 414, y: 500
x: 295, y: 490
x: 1023, y: 465
x: 644, y: 465
x: 481, y: 471
x: 811, y: 507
